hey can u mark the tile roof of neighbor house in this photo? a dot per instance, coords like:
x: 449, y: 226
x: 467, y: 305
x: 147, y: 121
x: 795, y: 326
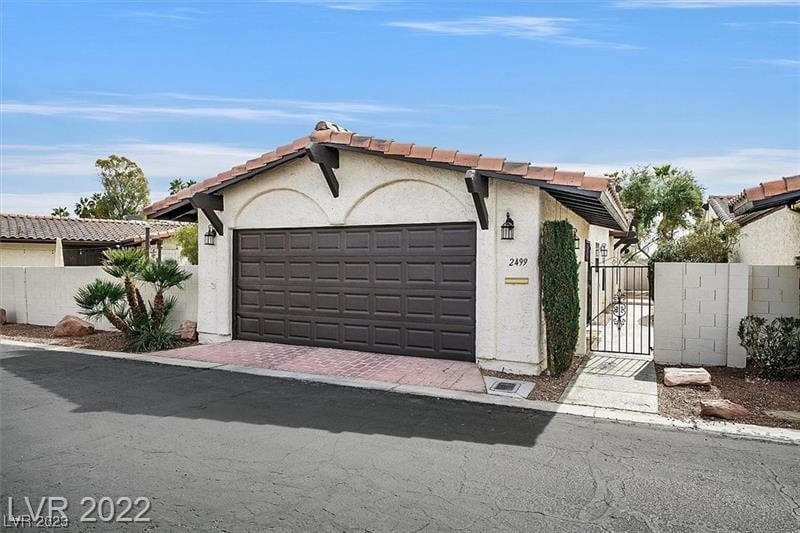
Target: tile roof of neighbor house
x: 753, y: 201
x: 334, y: 135
x: 14, y: 227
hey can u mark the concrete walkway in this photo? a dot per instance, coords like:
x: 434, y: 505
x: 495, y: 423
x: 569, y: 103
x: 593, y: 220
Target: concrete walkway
x: 616, y: 381
x: 442, y: 374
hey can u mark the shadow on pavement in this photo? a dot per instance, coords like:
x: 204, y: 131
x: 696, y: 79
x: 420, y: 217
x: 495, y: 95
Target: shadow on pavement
x: 139, y: 388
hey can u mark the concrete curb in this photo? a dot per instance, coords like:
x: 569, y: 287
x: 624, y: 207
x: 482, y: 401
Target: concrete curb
x: 729, y: 429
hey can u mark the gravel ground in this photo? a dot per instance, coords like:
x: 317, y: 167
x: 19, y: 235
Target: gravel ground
x: 546, y: 388
x: 733, y: 384
x: 112, y: 341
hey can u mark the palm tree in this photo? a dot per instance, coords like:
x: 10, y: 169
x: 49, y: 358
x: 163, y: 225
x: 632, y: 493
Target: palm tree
x: 84, y: 208
x: 177, y: 185
x: 163, y: 276
x: 145, y: 332
x: 125, y: 264
x: 103, y: 298
x: 60, y: 212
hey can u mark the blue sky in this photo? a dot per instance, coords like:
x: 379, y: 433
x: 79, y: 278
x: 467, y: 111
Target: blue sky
x: 188, y: 89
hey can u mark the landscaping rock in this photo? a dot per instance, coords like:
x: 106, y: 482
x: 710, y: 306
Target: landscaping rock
x: 2, y: 316
x: 686, y: 376
x: 188, y: 330
x: 722, y: 409
x: 72, y: 326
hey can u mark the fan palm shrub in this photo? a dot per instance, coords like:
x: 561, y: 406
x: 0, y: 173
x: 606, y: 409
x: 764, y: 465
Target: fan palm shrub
x: 144, y: 324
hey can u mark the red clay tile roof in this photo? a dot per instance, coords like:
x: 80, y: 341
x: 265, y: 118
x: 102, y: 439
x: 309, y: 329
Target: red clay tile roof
x: 764, y: 191
x: 326, y: 132
x: 769, y: 194
x: 48, y: 228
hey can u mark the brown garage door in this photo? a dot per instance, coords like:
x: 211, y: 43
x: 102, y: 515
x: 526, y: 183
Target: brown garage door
x: 390, y: 289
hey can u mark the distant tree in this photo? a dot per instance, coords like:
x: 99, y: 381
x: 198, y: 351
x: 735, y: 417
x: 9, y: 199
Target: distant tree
x: 187, y: 240
x: 84, y: 208
x: 92, y: 207
x: 125, y: 187
x: 100, y: 206
x: 664, y: 200
x: 709, y: 242
x: 60, y: 212
x: 178, y: 185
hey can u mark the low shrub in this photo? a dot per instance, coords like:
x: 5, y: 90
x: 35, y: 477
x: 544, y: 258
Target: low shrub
x: 773, y: 347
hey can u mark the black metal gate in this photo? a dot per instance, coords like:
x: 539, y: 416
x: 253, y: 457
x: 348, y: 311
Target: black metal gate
x: 620, y: 308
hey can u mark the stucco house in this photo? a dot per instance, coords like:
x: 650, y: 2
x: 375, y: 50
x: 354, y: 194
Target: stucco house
x: 343, y: 240
x: 769, y: 215
x: 38, y: 240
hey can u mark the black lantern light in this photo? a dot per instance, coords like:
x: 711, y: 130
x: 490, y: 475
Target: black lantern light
x: 210, y: 236
x: 576, y: 239
x: 603, y: 251
x: 507, y: 229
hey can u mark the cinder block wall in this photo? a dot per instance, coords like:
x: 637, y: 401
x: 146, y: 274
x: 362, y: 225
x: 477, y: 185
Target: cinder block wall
x: 698, y: 307
x: 774, y: 291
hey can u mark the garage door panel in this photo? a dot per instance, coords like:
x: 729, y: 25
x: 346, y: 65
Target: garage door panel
x: 357, y: 304
x: 249, y: 325
x: 300, y: 330
x: 273, y: 270
x: 357, y: 240
x: 393, y: 289
x: 356, y: 272
x: 250, y: 243
x: 388, y: 272
x: 447, y: 307
x: 327, y: 271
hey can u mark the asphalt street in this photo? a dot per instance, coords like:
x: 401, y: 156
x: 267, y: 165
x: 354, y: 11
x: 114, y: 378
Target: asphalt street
x: 220, y: 451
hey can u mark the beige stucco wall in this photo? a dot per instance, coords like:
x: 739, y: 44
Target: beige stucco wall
x: 27, y: 254
x: 377, y: 190
x: 44, y: 295
x: 771, y: 240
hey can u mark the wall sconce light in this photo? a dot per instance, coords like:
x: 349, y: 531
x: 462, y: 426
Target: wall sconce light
x: 210, y: 236
x: 507, y: 229
x: 576, y: 238
x: 603, y: 251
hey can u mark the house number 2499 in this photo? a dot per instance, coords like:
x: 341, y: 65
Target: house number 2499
x: 517, y: 261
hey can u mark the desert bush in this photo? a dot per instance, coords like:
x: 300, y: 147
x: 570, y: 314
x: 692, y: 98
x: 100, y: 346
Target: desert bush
x: 773, y: 347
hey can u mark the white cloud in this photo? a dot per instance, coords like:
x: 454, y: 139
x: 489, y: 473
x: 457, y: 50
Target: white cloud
x: 43, y: 204
x: 703, y: 4
x: 554, y: 29
x: 158, y: 160
x: 342, y: 5
x: 111, y: 106
x: 112, y: 112
x: 726, y: 173
x: 779, y: 62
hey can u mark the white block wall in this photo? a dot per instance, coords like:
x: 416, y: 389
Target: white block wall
x: 774, y: 291
x: 44, y: 295
x: 698, y: 307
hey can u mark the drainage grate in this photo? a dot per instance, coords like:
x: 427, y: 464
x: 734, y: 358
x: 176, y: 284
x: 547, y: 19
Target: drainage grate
x: 506, y: 386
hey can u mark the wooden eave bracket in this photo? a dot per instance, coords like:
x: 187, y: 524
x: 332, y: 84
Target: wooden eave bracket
x: 208, y: 204
x: 327, y: 158
x: 478, y: 187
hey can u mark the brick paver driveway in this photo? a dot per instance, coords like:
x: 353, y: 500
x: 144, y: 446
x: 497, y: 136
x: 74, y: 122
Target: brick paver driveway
x: 456, y: 375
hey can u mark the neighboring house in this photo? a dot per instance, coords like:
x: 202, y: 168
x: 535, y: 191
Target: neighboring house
x: 769, y: 215
x: 36, y: 240
x: 348, y: 241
